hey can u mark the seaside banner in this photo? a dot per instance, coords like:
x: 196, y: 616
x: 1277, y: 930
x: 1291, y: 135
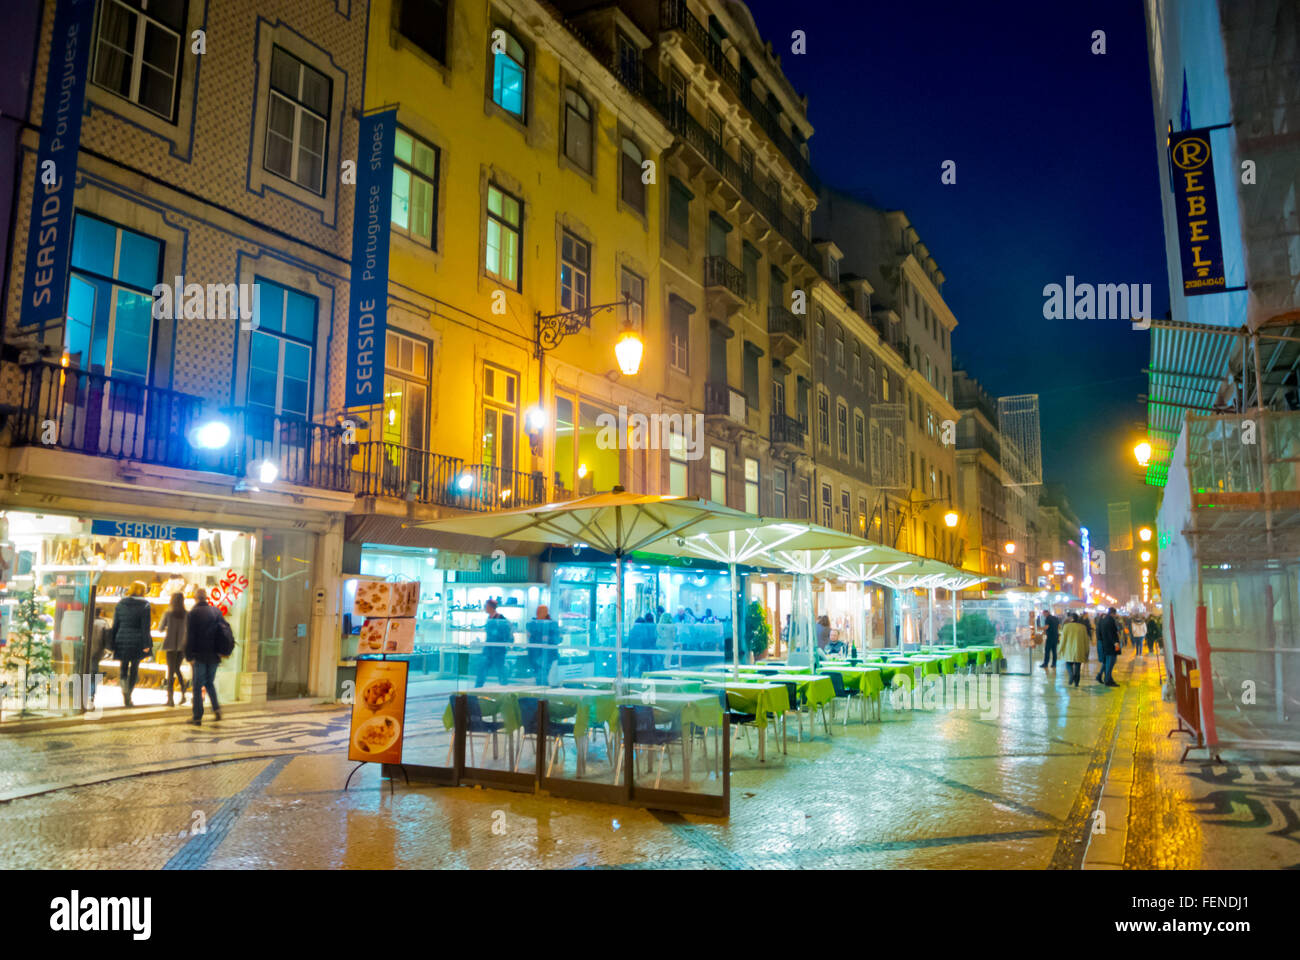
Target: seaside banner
x: 49, y: 233
x: 1197, y: 205
x: 368, y: 300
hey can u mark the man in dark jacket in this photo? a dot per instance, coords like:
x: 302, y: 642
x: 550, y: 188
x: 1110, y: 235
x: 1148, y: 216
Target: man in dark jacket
x: 132, y: 641
x: 1052, y: 627
x: 202, y: 641
x: 1107, y: 647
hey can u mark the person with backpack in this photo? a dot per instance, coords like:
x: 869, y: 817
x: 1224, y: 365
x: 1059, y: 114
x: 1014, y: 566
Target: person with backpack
x: 208, y: 638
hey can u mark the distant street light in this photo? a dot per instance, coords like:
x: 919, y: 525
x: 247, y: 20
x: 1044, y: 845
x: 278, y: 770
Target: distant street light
x: 1009, y: 547
x: 1146, y: 556
x: 951, y: 518
x: 1144, y: 534
x: 1142, y: 451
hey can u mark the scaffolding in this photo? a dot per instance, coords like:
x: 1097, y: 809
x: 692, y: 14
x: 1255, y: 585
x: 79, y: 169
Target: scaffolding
x: 1229, y: 570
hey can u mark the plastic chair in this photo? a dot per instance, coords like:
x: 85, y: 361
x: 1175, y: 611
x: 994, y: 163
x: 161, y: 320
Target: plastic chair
x: 556, y: 730
x: 847, y: 694
x: 475, y: 723
x: 646, y: 733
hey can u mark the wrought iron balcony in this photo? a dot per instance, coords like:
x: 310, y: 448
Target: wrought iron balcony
x: 65, y: 408
x: 481, y: 486
x: 724, y: 276
x: 787, y: 430
x: 383, y: 469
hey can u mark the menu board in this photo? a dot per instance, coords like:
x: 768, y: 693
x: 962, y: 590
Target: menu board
x: 386, y: 598
x: 378, y: 712
x: 387, y: 635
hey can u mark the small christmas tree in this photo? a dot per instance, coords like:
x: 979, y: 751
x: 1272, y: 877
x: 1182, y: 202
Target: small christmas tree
x: 29, y: 647
x: 758, y: 632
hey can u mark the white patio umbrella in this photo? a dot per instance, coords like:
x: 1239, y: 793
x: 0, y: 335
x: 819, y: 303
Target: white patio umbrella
x: 767, y: 542
x: 927, y: 574
x: 617, y: 523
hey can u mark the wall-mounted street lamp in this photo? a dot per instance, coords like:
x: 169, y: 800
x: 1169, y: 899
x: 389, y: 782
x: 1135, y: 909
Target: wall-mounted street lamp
x: 1144, y: 534
x: 1142, y: 453
x: 1009, y: 547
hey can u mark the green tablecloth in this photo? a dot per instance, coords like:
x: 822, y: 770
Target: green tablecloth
x: 816, y: 689
x: 702, y: 709
x: 495, y: 701
x: 585, y: 706
x: 866, y: 679
x: 760, y: 699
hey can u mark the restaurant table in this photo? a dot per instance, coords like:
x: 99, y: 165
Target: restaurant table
x: 636, y: 683
x: 702, y: 709
x: 866, y: 679
x: 495, y: 700
x: 760, y: 699
x: 587, y: 707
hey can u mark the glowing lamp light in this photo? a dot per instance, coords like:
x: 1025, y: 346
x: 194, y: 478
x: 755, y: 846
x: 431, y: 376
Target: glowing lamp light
x: 950, y: 518
x: 212, y: 435
x: 465, y: 481
x: 535, y: 419
x: 1146, y: 556
x: 1009, y: 547
x: 1070, y: 579
x: 582, y: 470
x: 265, y: 471
x: 1142, y: 451
x: 628, y: 351
x: 1144, y: 534
x: 1047, y: 566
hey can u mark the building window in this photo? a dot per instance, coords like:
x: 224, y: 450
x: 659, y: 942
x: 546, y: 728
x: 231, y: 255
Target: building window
x: 751, y: 485
x: 679, y: 334
x: 749, y: 256
x: 857, y: 362
x: 497, y: 443
x: 424, y: 23
x: 504, y: 233
x: 824, y: 419
x: 633, y: 185
x: 828, y: 519
x: 778, y: 492
x: 821, y: 333
x: 839, y: 349
x: 415, y: 187
x: 778, y: 395
x: 510, y: 77
x: 297, y: 121
x: 109, y: 327
x: 137, y: 55
x: 678, y: 464
x: 862, y: 516
x: 632, y: 287
x: 842, y: 428
x: 575, y: 260
x: 752, y: 353
x: 805, y: 499
x: 718, y: 475
x: 803, y: 403
x: 859, y: 438
x: 406, y: 391
x: 577, y: 129
x: 679, y: 212
x: 846, y: 512
x: 280, y: 350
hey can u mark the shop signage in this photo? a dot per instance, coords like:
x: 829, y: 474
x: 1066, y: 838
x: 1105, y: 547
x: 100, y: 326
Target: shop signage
x: 368, y: 299
x: 1197, y: 207
x: 466, y: 562
x: 140, y: 530
x: 48, y: 234
x: 379, y: 712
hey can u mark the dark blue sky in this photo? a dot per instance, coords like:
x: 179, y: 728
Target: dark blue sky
x: 1056, y: 174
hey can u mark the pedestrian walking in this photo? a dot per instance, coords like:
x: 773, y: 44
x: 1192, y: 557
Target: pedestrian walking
x: 1153, y: 634
x: 1108, y: 641
x: 543, y: 639
x: 132, y: 641
x: 205, y: 628
x: 1138, y: 627
x: 498, y: 638
x: 1074, y: 648
x: 173, y: 625
x: 1052, y: 630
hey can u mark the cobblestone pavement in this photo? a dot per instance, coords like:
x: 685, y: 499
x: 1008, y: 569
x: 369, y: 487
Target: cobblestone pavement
x: 1059, y: 778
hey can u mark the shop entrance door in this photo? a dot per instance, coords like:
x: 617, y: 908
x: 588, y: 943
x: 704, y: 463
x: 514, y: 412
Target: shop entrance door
x: 286, y: 613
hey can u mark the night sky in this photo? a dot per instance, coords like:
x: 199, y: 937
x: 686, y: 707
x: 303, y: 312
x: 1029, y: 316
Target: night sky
x: 1056, y: 174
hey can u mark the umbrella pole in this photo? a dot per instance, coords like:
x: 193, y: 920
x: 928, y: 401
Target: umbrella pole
x: 735, y: 623
x: 930, y: 632
x: 618, y: 625
x: 954, y: 618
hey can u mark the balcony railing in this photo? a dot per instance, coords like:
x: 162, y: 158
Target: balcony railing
x: 722, y: 400
x: 485, y: 487
x: 675, y: 15
x: 787, y: 429
x: 65, y: 408
x: 720, y: 272
x: 781, y: 322
x: 382, y: 469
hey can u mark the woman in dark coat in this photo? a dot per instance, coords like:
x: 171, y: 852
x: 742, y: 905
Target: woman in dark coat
x: 132, y: 641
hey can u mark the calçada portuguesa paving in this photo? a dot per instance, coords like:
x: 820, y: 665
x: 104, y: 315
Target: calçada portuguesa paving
x: 940, y: 789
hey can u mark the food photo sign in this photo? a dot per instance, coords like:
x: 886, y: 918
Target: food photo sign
x: 379, y: 712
